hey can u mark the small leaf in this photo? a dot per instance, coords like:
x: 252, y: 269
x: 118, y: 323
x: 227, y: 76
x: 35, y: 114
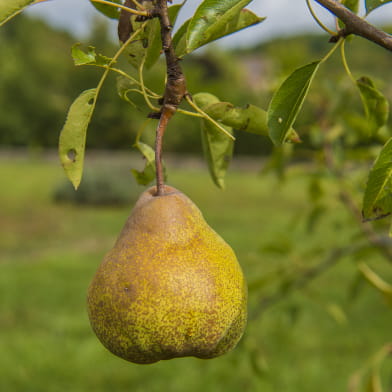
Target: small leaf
x: 108, y: 10
x: 337, y: 313
x: 373, y: 4
x: 288, y: 100
x: 147, y: 175
x: 352, y: 5
x: 377, y: 199
x: 10, y: 8
x: 90, y: 57
x: 124, y: 86
x: 211, y: 21
x: 218, y: 150
x: 73, y: 135
x: 204, y: 100
x: 375, y: 104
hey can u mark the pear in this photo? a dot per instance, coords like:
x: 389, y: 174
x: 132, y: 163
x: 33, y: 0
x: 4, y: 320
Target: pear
x: 170, y: 287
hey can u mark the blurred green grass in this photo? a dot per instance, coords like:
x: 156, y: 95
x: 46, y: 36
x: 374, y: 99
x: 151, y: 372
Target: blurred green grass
x: 49, y: 252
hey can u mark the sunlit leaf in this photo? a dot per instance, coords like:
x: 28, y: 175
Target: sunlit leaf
x: 10, y: 8
x: 377, y: 200
x: 88, y: 57
x: 108, y: 10
x: 73, y: 135
x: 288, y: 100
x: 375, y: 104
x: 216, y: 18
x: 373, y: 4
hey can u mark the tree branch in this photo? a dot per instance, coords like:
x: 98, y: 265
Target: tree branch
x: 175, y: 89
x: 356, y: 25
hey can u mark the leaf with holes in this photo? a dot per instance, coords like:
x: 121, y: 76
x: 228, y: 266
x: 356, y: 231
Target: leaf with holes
x: 88, y: 57
x: 288, y: 100
x: 108, y: 10
x: 73, y: 135
x: 373, y: 4
x: 377, y: 199
x: 185, y: 40
x: 375, y: 104
x: 9, y: 9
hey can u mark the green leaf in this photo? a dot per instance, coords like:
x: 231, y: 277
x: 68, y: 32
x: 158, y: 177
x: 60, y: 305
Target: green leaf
x: 352, y: 5
x: 204, y: 100
x: 89, y: 57
x: 124, y: 86
x: 218, y: 150
x: 73, y: 135
x: 373, y: 4
x: 377, y: 199
x: 288, y: 100
x: 108, y: 10
x: 147, y: 175
x: 10, y: 8
x: 214, y: 19
x: 250, y: 118
x: 375, y: 104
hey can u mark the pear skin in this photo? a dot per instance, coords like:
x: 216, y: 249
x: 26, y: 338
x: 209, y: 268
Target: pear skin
x: 170, y: 287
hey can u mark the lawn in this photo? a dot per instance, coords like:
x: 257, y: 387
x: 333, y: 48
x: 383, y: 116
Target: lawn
x: 312, y: 339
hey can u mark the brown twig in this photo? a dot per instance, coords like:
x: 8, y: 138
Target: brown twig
x: 356, y: 25
x: 175, y: 89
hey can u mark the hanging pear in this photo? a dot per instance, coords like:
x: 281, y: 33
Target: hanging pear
x: 170, y: 287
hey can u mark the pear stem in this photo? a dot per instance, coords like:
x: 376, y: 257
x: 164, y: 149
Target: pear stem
x: 161, y: 128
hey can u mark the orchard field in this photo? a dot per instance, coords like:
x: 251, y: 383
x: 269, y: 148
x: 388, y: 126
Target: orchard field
x: 313, y: 338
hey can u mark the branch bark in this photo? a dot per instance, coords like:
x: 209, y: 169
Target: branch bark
x: 175, y: 89
x: 356, y: 25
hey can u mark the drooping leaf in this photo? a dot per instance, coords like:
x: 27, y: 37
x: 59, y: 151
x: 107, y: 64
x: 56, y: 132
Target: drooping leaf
x: 377, y: 199
x: 10, y: 8
x: 108, y: 10
x: 373, y: 4
x: 218, y: 150
x: 195, y: 32
x: 288, y: 100
x: 73, y: 135
x: 147, y: 175
x: 89, y: 57
x: 217, y: 147
x: 376, y: 106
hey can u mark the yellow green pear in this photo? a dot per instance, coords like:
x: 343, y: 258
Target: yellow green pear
x: 170, y: 287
